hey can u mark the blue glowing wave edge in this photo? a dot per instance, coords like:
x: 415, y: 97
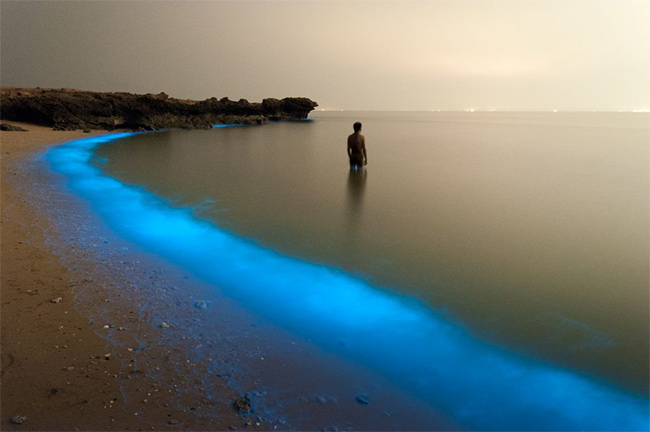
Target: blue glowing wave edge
x: 479, y: 385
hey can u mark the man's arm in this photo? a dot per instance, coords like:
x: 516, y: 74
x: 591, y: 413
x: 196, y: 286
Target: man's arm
x: 365, y: 155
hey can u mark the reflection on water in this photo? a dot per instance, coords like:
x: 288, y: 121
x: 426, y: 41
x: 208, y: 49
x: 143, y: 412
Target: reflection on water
x: 356, y: 187
x: 529, y: 229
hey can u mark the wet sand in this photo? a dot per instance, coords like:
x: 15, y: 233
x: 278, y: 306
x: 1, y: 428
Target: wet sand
x: 56, y: 370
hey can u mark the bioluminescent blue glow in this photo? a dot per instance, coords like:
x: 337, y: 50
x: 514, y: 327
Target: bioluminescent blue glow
x: 218, y: 126
x: 479, y: 385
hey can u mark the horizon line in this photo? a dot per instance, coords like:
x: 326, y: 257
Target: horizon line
x: 477, y: 110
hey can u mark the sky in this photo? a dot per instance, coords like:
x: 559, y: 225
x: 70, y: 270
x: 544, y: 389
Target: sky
x: 351, y: 55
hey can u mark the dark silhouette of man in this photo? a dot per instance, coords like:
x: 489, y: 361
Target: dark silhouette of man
x: 357, y: 148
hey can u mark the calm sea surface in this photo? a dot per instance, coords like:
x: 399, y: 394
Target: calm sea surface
x: 529, y: 230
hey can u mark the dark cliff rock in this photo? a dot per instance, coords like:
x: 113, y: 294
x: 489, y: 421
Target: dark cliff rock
x: 11, y: 128
x: 66, y: 109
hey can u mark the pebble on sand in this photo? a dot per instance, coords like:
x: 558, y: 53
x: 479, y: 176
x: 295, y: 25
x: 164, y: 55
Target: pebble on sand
x: 243, y: 404
x: 19, y: 419
x: 363, y: 399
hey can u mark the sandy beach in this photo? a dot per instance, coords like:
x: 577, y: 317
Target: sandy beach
x: 57, y: 372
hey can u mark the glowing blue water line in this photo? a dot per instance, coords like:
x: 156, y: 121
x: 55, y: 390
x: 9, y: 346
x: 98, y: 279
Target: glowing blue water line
x: 219, y: 126
x: 479, y: 385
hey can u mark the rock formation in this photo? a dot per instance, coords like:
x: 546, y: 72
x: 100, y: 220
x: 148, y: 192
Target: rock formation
x: 67, y: 109
x: 11, y: 128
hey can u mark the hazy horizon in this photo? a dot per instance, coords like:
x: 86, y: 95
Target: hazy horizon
x: 501, y: 55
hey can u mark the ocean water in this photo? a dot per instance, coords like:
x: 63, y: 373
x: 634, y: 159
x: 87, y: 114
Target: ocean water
x: 496, y: 263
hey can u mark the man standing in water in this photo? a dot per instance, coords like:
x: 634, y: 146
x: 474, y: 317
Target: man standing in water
x: 357, y: 148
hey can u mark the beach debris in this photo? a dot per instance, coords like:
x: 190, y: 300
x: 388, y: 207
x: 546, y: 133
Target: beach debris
x: 69, y: 368
x: 54, y: 390
x: 172, y: 422
x: 32, y: 291
x: 362, y: 399
x: 107, y: 356
x: 201, y: 304
x: 243, y: 404
x: 56, y: 300
x: 164, y: 325
x: 121, y: 328
x: 18, y: 419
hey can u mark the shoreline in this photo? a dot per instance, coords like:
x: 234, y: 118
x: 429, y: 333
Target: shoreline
x: 37, y: 347
x: 115, y: 299
x: 56, y: 367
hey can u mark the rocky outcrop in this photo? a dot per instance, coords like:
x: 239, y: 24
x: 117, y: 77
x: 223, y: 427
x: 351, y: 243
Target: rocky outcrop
x: 11, y: 128
x: 66, y: 109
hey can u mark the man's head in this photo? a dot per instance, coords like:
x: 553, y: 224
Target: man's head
x: 357, y: 126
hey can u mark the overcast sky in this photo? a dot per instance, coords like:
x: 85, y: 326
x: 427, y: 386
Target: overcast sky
x: 402, y: 55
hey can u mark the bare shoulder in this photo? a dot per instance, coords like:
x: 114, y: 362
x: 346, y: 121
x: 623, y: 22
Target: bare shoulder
x: 356, y: 138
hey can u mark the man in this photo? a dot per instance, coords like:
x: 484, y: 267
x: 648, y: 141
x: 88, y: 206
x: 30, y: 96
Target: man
x: 357, y: 148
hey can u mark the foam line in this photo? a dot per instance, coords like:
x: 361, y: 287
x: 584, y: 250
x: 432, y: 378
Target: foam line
x: 480, y: 385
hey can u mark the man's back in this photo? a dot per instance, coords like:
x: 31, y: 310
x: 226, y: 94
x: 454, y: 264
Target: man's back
x: 356, y: 144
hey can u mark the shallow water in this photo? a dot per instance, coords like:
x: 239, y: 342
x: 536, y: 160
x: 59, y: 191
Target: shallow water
x: 513, y: 228
x: 528, y: 229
